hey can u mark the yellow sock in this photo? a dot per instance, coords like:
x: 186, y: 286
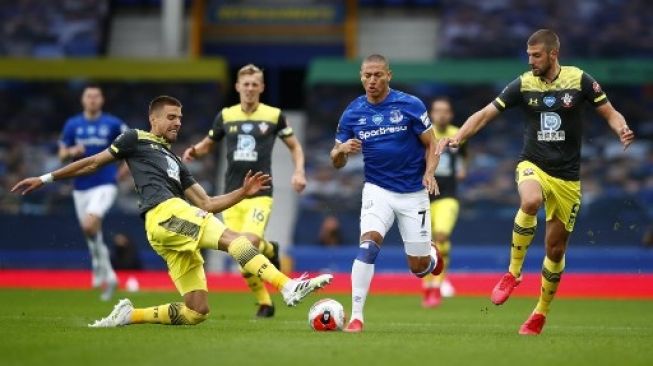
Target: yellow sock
x: 257, y: 287
x: 174, y: 314
x: 265, y: 248
x: 551, y: 273
x: 253, y: 262
x: 153, y: 315
x: 444, y: 248
x: 522, y: 235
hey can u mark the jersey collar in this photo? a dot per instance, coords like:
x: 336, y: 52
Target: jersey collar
x: 542, y: 79
x: 144, y: 135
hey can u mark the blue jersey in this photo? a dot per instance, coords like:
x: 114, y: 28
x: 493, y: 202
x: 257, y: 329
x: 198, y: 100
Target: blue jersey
x: 95, y: 135
x: 392, y: 151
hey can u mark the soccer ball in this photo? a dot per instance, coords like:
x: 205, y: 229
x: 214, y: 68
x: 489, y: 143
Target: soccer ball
x: 326, y: 315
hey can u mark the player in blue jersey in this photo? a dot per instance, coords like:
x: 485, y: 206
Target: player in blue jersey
x: 87, y: 134
x: 393, y: 132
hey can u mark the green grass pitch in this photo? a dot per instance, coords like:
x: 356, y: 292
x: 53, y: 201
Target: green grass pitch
x: 49, y: 328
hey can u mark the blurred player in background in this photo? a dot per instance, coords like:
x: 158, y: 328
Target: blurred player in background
x: 176, y: 229
x: 250, y: 129
x: 445, y: 206
x: 84, y: 135
x: 392, y: 131
x: 553, y: 98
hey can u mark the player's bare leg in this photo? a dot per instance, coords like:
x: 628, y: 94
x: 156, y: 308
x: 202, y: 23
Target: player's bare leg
x: 530, y: 194
x: 556, y: 240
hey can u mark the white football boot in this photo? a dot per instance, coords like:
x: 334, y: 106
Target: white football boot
x: 297, y: 289
x: 120, y: 315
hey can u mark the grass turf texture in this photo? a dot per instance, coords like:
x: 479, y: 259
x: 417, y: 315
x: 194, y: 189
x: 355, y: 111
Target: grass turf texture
x: 49, y: 328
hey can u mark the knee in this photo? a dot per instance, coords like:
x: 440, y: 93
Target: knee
x: 89, y: 229
x: 531, y: 203
x: 555, y: 251
x: 420, y: 266
x: 255, y: 240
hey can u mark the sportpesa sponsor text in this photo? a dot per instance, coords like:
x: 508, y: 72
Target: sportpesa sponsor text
x: 364, y: 135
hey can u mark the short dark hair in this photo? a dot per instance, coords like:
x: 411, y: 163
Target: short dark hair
x: 162, y: 101
x: 546, y: 36
x: 441, y: 98
x: 92, y: 86
x: 377, y: 58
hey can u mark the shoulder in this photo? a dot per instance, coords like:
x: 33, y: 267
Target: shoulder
x: 127, y: 138
x: 230, y: 112
x: 405, y: 98
x: 269, y: 112
x: 74, y: 120
x: 132, y: 133
x: 355, y: 104
x: 570, y: 77
x: 570, y: 70
x: 526, y: 77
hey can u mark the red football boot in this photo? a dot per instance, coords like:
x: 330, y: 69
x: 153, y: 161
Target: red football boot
x: 503, y: 289
x: 533, y: 325
x: 354, y: 326
x: 432, y: 298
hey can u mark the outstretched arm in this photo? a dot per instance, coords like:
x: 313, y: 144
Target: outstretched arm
x: 472, y: 125
x: 252, y: 184
x: 80, y: 167
x: 199, y: 149
x: 298, y: 179
x: 617, y: 122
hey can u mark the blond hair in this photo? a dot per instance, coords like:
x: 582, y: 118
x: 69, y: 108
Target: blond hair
x: 250, y: 69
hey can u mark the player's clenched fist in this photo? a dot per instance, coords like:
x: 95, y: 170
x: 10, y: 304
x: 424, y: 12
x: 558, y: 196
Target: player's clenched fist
x: 351, y: 146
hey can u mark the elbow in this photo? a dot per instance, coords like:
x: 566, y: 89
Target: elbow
x: 205, y: 205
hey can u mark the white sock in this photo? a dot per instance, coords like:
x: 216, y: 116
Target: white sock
x: 361, y: 277
x: 95, y: 263
x: 104, y: 260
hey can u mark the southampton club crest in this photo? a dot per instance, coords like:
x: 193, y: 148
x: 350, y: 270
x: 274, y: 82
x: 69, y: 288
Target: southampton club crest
x: 566, y: 100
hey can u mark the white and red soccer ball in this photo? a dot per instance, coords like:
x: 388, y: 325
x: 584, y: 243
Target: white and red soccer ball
x: 326, y: 315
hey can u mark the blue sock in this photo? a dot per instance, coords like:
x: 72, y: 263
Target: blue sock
x: 368, y: 251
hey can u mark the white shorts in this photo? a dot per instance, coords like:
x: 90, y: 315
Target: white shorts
x: 380, y: 206
x: 95, y: 201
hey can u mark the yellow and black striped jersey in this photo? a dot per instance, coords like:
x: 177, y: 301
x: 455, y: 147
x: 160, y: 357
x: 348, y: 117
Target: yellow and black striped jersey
x: 250, y: 139
x: 554, y: 113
